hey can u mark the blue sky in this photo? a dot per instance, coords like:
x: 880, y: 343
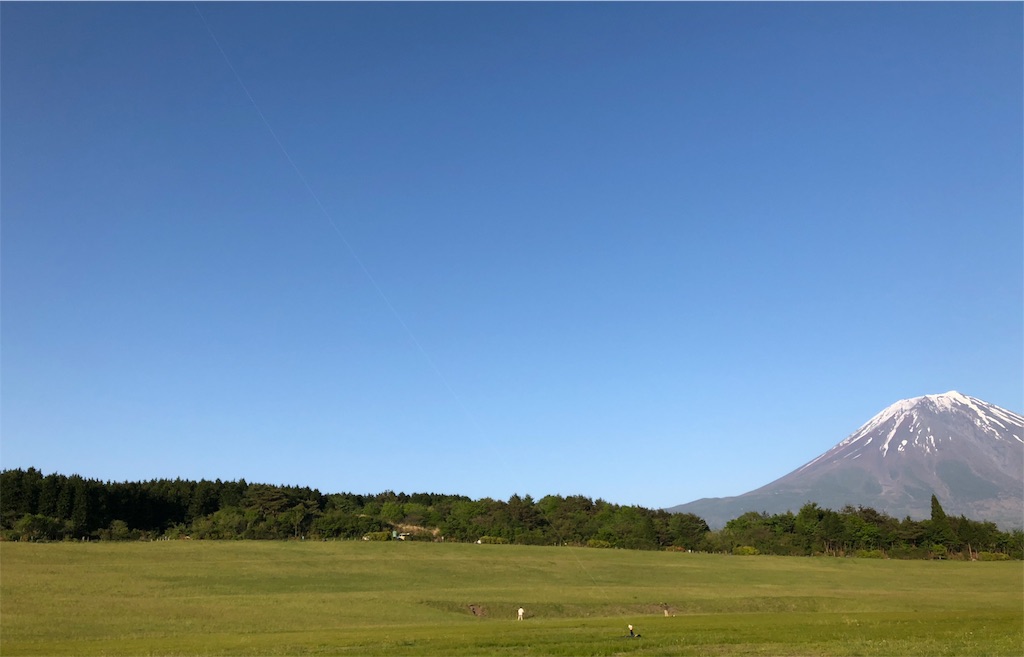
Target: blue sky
x: 647, y: 253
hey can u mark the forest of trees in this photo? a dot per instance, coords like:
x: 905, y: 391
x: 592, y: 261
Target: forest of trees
x: 34, y: 507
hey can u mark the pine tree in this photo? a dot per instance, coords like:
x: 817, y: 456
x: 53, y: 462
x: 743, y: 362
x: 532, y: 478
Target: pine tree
x: 940, y: 531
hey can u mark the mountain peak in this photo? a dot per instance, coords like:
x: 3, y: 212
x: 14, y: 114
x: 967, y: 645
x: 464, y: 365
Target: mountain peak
x: 944, y: 401
x: 951, y: 396
x: 908, y: 413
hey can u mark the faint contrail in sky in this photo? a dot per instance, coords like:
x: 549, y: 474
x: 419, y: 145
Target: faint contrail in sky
x: 333, y: 224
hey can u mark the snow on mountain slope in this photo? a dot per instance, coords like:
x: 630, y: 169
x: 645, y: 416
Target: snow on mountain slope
x: 969, y: 453
x: 929, y: 423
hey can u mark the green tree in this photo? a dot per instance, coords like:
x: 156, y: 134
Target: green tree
x: 415, y: 513
x: 391, y: 512
x: 19, y: 494
x: 570, y: 519
x: 266, y: 501
x: 82, y: 506
x: 204, y: 500
x: 49, y: 494
x: 629, y: 527
x: 226, y: 523
x: 35, y: 527
x: 232, y: 493
x: 940, y: 530
x: 805, y: 526
x: 751, y: 528
x: 526, y: 523
x: 829, y: 532
x: 687, y: 530
x: 299, y: 515
x: 119, y: 531
x: 977, y: 536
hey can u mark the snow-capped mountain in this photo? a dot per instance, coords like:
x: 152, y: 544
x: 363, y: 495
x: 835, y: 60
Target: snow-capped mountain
x: 969, y: 453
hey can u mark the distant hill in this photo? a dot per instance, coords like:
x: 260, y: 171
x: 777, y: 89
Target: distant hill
x: 969, y: 453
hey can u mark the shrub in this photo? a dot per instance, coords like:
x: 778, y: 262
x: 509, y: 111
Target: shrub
x: 177, y: 532
x: 118, y: 531
x: 870, y: 554
x: 377, y: 536
x: 37, y: 528
x: 904, y: 552
x: 492, y: 540
x: 598, y: 543
x: 993, y: 556
x: 745, y: 550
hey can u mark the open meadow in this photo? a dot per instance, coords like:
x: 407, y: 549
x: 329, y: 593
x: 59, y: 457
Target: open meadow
x: 397, y: 598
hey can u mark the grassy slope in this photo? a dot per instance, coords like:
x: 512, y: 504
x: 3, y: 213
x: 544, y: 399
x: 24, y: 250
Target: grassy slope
x: 264, y: 598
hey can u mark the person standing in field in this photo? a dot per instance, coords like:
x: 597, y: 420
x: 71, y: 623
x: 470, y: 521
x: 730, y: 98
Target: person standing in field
x: 521, y: 612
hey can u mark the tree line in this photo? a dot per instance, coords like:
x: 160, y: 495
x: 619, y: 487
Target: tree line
x: 863, y: 531
x: 34, y: 507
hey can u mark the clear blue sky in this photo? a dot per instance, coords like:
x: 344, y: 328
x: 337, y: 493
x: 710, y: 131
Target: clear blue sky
x: 647, y: 253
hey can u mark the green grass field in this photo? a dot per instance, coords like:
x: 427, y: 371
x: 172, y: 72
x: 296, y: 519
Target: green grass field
x: 394, y: 598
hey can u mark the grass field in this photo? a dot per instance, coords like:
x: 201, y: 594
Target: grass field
x: 395, y: 598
